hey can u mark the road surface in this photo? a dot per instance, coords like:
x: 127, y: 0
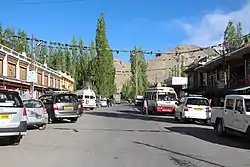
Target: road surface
x: 121, y: 137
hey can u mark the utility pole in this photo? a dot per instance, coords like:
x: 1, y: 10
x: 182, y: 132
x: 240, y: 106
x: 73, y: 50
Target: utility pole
x: 32, y: 68
x: 136, y: 74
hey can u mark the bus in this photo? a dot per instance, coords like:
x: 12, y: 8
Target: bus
x: 161, y: 99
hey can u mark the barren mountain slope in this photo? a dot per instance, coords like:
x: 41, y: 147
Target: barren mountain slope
x: 122, y: 73
x: 160, y: 67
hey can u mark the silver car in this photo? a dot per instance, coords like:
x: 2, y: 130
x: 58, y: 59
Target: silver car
x: 13, y: 116
x: 37, y: 113
x: 62, y: 106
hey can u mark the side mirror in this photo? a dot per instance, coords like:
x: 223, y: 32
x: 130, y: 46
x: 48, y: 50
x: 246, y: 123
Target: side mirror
x: 177, y: 103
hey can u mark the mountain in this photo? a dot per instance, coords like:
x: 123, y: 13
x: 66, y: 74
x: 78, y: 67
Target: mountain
x: 159, y: 68
x: 122, y: 73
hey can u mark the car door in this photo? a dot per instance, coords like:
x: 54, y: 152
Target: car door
x: 229, y: 112
x: 238, y: 116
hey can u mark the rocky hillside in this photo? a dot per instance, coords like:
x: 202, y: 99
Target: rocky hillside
x: 160, y: 66
x: 122, y: 73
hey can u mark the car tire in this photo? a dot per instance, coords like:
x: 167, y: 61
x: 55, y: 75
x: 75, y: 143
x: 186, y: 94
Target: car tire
x: 15, y: 140
x: 92, y: 108
x: 220, y: 129
x: 73, y: 120
x: 42, y: 127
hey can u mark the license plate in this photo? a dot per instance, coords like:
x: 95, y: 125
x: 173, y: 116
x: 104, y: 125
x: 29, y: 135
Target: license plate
x: 4, y: 116
x: 68, y: 108
x: 197, y: 109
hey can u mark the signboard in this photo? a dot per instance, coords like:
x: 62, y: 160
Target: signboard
x: 32, y: 76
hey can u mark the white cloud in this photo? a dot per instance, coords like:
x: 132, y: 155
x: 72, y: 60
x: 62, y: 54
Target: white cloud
x: 211, y: 28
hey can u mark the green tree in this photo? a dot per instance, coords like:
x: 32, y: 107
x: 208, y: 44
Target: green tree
x: 233, y: 36
x: 9, y: 38
x: 182, y: 68
x: 67, y: 56
x: 51, y: 56
x: 74, y: 61
x: 105, y: 82
x: 1, y: 34
x: 21, y: 43
x: 43, y: 56
x: 139, y: 72
x: 126, y: 90
x: 92, y: 68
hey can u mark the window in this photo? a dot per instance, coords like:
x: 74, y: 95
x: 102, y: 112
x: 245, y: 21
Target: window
x: 80, y: 97
x: 66, y: 98
x: 10, y: 99
x: 32, y: 104
x: 46, y: 99
x: 22, y: 73
x: 11, y: 70
x: 167, y: 97
x: 86, y: 97
x: 39, y: 78
x: 239, y: 105
x: 230, y: 104
x: 1, y: 66
x: 197, y: 101
x: 45, y: 80
x: 51, y: 82
x: 247, y: 105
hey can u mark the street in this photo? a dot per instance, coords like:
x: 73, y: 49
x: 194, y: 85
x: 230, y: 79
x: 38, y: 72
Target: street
x: 120, y: 136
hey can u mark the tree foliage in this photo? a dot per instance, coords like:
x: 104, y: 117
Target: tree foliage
x: 104, y: 63
x: 233, y: 37
x: 138, y: 78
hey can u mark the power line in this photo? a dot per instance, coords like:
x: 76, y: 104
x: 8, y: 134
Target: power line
x: 57, y: 45
x: 47, y: 2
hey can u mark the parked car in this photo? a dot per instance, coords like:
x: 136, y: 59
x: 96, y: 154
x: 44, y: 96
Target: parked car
x: 62, y: 106
x: 37, y: 113
x: 104, y: 102
x: 13, y: 116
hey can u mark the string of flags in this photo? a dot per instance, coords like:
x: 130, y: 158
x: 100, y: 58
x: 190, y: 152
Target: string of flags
x: 57, y: 45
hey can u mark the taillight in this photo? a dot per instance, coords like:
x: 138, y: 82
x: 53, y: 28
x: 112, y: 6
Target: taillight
x: 44, y: 110
x: 185, y: 108
x: 55, y: 107
x: 24, y: 112
x: 79, y: 107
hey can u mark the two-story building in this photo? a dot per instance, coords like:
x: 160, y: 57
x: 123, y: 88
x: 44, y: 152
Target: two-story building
x: 221, y: 74
x: 14, y: 68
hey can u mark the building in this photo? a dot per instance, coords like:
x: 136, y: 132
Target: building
x: 14, y: 68
x: 178, y: 83
x: 219, y: 75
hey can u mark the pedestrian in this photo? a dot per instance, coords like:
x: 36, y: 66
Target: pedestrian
x: 145, y: 106
x: 108, y: 102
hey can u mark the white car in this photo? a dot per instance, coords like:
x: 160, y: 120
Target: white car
x: 193, y: 108
x: 104, y: 102
x: 13, y: 116
x: 36, y: 112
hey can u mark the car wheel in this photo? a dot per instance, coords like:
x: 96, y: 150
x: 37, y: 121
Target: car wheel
x: 42, y: 127
x: 15, y: 140
x: 220, y: 129
x: 73, y: 120
x: 92, y: 108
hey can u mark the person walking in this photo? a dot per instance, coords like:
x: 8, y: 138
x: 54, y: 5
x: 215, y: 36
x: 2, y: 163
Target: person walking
x: 145, y: 106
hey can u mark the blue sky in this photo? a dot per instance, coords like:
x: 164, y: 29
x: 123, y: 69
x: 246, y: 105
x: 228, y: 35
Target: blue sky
x: 153, y: 25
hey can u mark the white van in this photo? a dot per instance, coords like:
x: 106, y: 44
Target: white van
x: 87, y: 97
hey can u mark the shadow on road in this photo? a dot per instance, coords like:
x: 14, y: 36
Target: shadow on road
x: 132, y: 115
x: 180, y: 154
x: 209, y: 135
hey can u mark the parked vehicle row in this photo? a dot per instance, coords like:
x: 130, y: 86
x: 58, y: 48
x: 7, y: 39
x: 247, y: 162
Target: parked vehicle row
x: 17, y: 114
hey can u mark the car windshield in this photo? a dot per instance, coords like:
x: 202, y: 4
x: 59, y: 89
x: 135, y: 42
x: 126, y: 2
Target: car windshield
x: 32, y: 104
x: 66, y: 98
x: 197, y: 101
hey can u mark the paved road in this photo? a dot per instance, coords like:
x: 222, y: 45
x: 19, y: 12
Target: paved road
x: 119, y: 137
